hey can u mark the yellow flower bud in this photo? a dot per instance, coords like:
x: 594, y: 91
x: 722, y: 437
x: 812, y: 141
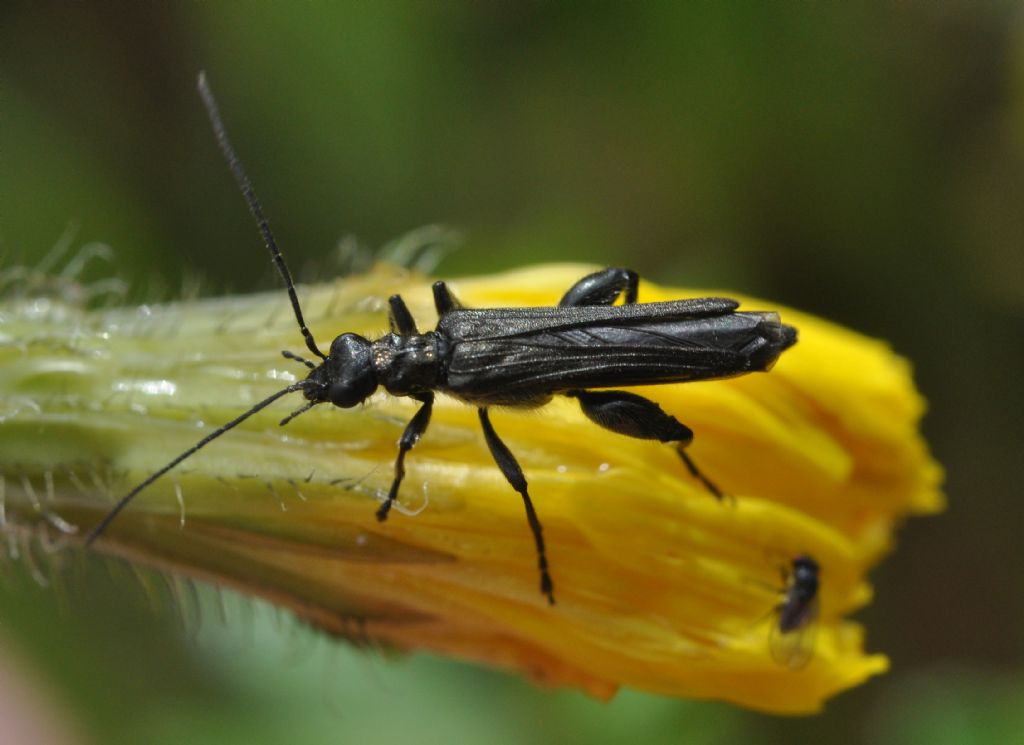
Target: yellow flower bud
x: 660, y: 587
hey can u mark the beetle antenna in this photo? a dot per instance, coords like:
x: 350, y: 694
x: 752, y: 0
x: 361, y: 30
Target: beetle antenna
x: 254, y: 206
x: 123, y: 502
x: 292, y: 356
x: 300, y: 410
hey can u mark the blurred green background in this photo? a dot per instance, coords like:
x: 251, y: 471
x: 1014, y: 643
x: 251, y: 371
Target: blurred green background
x: 861, y: 161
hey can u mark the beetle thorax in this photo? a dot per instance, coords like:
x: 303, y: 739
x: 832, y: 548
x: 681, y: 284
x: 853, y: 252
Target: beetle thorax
x: 407, y: 364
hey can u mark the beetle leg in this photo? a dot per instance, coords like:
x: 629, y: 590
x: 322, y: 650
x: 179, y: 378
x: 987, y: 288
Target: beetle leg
x: 635, y: 416
x: 413, y: 431
x: 510, y: 468
x: 444, y: 300
x: 697, y: 474
x: 603, y: 288
x: 399, y: 317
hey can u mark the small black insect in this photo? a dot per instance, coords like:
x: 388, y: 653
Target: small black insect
x: 791, y: 640
x: 520, y: 357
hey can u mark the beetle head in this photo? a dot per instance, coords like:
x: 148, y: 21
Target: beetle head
x: 346, y: 377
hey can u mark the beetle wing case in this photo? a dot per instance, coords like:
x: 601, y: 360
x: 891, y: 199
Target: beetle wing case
x: 527, y: 352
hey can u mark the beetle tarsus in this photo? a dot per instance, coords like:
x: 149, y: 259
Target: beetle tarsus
x: 697, y: 474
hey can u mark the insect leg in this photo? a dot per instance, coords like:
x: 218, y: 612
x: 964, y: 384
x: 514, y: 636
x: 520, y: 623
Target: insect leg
x: 510, y: 468
x: 603, y: 288
x: 399, y: 317
x: 444, y: 300
x: 413, y: 431
x: 635, y: 416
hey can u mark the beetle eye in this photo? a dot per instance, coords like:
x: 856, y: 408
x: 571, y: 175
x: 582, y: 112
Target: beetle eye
x: 345, y: 395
